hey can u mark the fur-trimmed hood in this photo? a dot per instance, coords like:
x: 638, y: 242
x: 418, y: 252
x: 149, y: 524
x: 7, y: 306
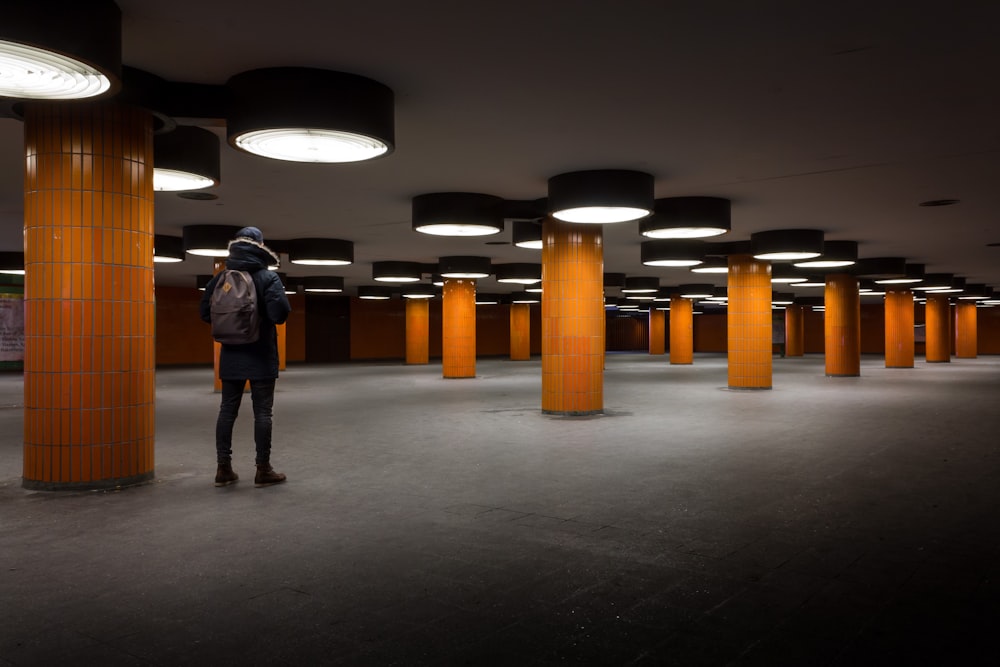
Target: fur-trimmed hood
x: 246, y: 254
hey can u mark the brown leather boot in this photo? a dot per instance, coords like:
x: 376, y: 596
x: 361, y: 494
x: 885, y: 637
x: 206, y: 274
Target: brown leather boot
x: 225, y: 475
x: 266, y: 476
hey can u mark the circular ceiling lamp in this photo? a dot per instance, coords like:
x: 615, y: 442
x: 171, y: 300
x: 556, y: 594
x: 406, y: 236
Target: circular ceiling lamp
x: 718, y: 265
x: 167, y: 249
x: 641, y: 285
x: 418, y: 291
x: 719, y: 294
x: 782, y: 298
x: 783, y: 274
x: 687, y: 218
x: 975, y: 292
x: 319, y: 252
x: 835, y: 254
x: 672, y: 253
x: 787, y: 245
x: 64, y: 52
x: 374, y: 292
x: 488, y: 298
x: 397, y: 272
x: 208, y: 240
x: 935, y: 282
x: 460, y: 266
x: 880, y: 268
x: 457, y: 214
x: 695, y: 291
x: 665, y: 293
x: 614, y: 280
x: 525, y: 297
x: 600, y: 196
x: 957, y: 286
x: 912, y: 273
x: 185, y: 159
x: 301, y: 114
x: 519, y: 273
x: 323, y: 284
x: 12, y: 263
x: 527, y: 234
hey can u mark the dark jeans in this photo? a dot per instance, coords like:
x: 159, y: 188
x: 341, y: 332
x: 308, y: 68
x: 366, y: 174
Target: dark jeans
x: 262, y: 395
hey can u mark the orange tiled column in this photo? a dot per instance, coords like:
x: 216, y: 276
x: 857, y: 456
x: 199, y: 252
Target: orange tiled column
x: 937, y: 318
x: 520, y: 332
x: 657, y: 331
x: 966, y: 338
x: 681, y: 330
x: 795, y: 331
x: 458, y: 328
x: 282, y: 346
x: 898, y: 328
x: 572, y: 318
x: 842, y: 326
x: 417, y: 331
x: 89, y: 327
x: 749, y: 323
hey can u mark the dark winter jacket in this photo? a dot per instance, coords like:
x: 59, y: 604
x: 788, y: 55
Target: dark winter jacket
x: 258, y: 360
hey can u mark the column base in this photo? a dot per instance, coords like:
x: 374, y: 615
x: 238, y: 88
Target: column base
x: 572, y: 413
x: 732, y: 388
x: 938, y: 361
x: 843, y: 375
x: 98, y: 485
x: 910, y: 366
x: 458, y: 377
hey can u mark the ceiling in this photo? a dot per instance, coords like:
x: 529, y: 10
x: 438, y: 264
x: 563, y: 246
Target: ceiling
x: 835, y: 116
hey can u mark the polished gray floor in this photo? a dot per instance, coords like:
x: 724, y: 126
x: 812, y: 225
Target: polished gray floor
x: 831, y: 521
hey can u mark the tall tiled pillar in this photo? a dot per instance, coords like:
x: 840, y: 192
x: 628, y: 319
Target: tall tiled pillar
x: 458, y: 328
x: 842, y: 326
x: 937, y: 318
x: 795, y: 331
x: 657, y: 331
x: 89, y: 326
x: 749, y: 323
x: 417, y: 331
x: 966, y: 338
x: 898, y: 328
x: 681, y: 331
x: 520, y: 332
x: 282, y: 346
x: 572, y: 318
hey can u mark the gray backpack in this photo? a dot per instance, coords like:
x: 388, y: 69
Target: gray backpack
x: 235, y: 315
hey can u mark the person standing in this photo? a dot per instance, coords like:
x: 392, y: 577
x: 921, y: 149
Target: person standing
x: 255, y: 362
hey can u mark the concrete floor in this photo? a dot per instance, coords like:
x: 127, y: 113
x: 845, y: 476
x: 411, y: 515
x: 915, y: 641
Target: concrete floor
x: 831, y: 521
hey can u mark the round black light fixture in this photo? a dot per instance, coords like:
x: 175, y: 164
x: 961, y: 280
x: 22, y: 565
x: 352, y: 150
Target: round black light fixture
x: 397, y: 272
x: 600, y: 196
x: 695, y: 291
x: 208, y: 240
x: 614, y: 279
x: 672, y: 252
x: 939, y: 202
x: 62, y: 52
x: 185, y: 159
x: 320, y: 252
x: 880, y: 268
x: 301, y: 114
x: 835, y: 254
x: 787, y: 245
x: 687, y: 218
x: 912, y: 273
x: 975, y: 292
x: 457, y: 214
x: 488, y: 298
x: 641, y: 285
x: 167, y: 249
x: 520, y: 273
x: 935, y: 282
x: 374, y: 292
x: 418, y: 291
x: 719, y: 265
x: 784, y: 274
x: 12, y: 263
x: 525, y: 297
x: 461, y: 266
x: 782, y: 298
x: 527, y: 234
x: 323, y: 284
